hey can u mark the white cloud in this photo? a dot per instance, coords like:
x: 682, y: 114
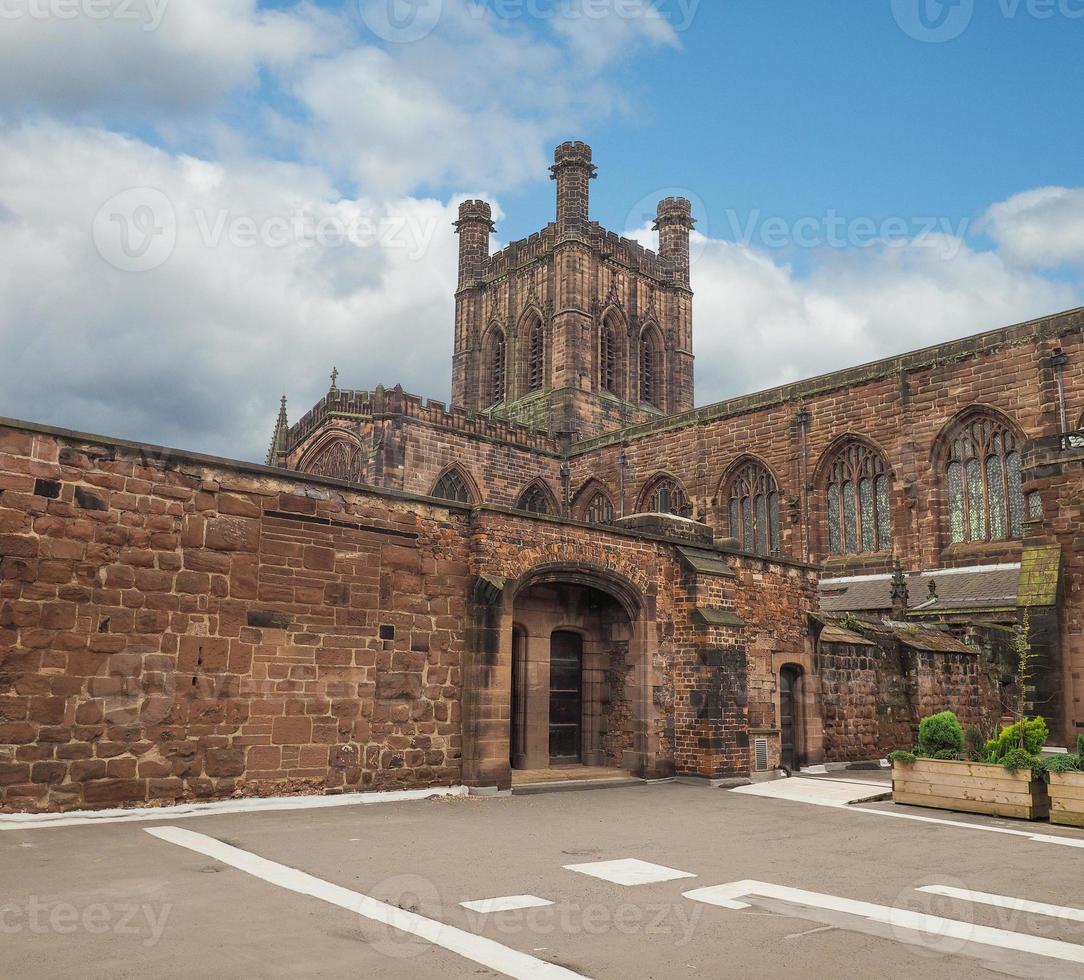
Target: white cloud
x: 1043, y: 227
x: 172, y: 56
x: 758, y: 324
x: 196, y: 352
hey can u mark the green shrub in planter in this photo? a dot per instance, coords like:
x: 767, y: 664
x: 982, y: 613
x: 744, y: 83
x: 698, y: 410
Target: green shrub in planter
x: 940, y: 737
x: 1062, y: 763
x: 1016, y: 759
x: 1028, y: 735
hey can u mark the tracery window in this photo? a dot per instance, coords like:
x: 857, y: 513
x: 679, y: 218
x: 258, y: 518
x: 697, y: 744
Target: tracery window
x: 649, y: 368
x: 536, y: 357
x: 754, y: 509
x: 600, y: 510
x: 452, y: 486
x: 859, y: 497
x: 338, y: 460
x: 496, y: 363
x: 984, y: 482
x: 667, y: 496
x: 535, y: 500
x: 607, y: 359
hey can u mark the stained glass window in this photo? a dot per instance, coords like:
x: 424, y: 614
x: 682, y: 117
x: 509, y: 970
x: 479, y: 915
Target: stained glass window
x: 536, y: 357
x: 338, y: 460
x: 859, y: 502
x: 600, y: 510
x: 754, y: 509
x: 452, y: 486
x: 536, y: 500
x: 666, y: 496
x: 985, y: 484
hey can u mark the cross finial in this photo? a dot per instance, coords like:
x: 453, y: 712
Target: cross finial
x: 334, y: 378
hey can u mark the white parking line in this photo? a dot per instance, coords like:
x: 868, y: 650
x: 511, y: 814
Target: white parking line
x: 262, y: 804
x: 849, y: 808
x: 628, y: 871
x: 513, y: 903
x: 478, y: 949
x: 1007, y: 902
x: 932, y: 927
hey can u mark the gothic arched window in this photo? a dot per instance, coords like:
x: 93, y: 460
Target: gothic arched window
x: 452, y: 486
x: 650, y: 386
x: 607, y: 358
x: 338, y: 460
x: 754, y: 509
x: 984, y: 481
x: 536, y: 356
x: 495, y: 366
x: 600, y: 509
x: 859, y: 496
x: 666, y: 496
x: 535, y: 499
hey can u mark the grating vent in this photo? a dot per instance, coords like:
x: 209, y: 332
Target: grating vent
x: 760, y: 749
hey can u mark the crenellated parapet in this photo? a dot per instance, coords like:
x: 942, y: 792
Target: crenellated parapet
x: 383, y: 403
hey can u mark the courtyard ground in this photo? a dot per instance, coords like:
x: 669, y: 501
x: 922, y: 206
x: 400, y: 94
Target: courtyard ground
x: 818, y: 891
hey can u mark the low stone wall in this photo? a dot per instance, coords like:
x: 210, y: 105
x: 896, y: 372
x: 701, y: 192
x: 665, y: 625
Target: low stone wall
x: 172, y: 629
x: 875, y: 693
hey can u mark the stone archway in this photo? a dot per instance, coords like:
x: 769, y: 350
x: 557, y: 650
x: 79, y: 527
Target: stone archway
x: 507, y: 681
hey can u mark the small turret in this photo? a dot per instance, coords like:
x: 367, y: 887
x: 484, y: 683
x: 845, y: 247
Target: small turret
x: 573, y: 170
x: 474, y: 227
x: 276, y: 455
x: 674, y: 223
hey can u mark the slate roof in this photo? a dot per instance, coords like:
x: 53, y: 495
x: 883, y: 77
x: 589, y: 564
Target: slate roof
x: 980, y: 587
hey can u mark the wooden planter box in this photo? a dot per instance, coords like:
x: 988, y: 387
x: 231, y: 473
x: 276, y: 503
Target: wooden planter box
x: 1067, y: 798
x: 971, y: 787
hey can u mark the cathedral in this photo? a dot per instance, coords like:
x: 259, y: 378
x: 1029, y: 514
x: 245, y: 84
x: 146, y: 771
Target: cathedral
x: 570, y: 567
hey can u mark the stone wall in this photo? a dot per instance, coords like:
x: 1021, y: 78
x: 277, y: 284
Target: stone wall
x: 176, y: 627
x: 875, y: 691
x: 173, y: 628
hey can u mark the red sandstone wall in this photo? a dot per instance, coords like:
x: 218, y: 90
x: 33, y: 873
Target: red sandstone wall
x: 172, y: 630
x: 902, y: 411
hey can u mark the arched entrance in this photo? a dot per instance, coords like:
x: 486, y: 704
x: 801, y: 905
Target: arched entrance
x: 518, y: 632
x: 790, y: 718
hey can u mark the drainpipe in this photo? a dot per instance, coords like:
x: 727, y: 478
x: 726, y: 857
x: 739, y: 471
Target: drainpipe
x: 622, y: 464
x: 1059, y: 360
x: 803, y: 419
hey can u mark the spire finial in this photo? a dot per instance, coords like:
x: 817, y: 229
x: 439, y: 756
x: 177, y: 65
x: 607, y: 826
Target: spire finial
x: 901, y: 596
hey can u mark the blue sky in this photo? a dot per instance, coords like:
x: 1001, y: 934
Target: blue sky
x: 865, y: 184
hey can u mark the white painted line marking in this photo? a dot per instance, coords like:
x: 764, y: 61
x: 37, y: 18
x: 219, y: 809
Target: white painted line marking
x: 478, y: 949
x: 728, y: 897
x: 849, y: 808
x: 511, y: 904
x: 628, y: 871
x: 85, y: 818
x: 1006, y: 902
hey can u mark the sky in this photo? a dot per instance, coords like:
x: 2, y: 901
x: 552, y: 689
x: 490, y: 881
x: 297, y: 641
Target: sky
x: 205, y: 204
